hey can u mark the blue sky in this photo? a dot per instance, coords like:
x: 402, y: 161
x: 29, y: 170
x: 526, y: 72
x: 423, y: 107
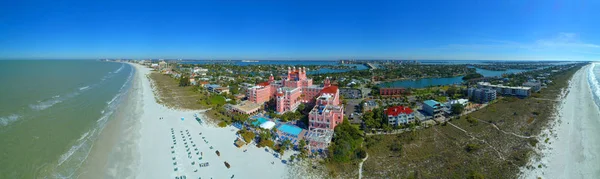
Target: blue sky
x: 461, y: 30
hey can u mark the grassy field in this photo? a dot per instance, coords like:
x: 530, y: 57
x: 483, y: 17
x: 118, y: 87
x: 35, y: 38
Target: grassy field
x: 174, y: 96
x: 493, y: 143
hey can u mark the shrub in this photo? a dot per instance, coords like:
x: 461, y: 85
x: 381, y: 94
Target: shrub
x: 248, y: 136
x: 362, y: 153
x: 475, y: 175
x: 472, y: 147
x: 396, y: 146
x: 222, y: 124
x: 472, y: 120
x: 533, y: 142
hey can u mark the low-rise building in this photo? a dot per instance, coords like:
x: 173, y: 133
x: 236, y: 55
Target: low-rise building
x: 351, y: 93
x: 433, y: 108
x: 222, y: 90
x: 212, y: 87
x: 369, y: 105
x: 481, y: 95
x: 399, y: 115
x: 244, y: 107
x: 507, y: 90
x: 535, y: 85
x: 203, y: 83
x: 391, y: 91
x: 200, y: 71
x: 463, y: 102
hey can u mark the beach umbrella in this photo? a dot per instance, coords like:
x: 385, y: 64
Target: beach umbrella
x: 182, y: 118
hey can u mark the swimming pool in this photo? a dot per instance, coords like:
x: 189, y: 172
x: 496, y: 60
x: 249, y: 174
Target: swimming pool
x: 259, y: 121
x: 290, y: 129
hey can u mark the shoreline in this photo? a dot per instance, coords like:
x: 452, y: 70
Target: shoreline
x: 102, y: 156
x: 569, y: 145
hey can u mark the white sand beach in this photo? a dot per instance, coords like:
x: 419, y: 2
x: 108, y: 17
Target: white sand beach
x: 573, y: 146
x: 156, y: 155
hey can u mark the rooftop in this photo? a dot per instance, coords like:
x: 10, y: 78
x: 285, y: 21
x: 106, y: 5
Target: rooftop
x: 431, y: 103
x: 502, y: 86
x: 246, y: 106
x: 396, y: 110
x: 263, y: 84
x: 330, y: 89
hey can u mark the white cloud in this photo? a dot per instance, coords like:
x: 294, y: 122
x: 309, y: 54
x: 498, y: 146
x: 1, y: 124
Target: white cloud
x: 562, y: 46
x: 570, y: 40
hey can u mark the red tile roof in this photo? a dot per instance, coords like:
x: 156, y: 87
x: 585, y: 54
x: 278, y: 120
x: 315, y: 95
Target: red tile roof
x: 204, y: 82
x: 266, y: 83
x: 396, y: 110
x: 330, y: 89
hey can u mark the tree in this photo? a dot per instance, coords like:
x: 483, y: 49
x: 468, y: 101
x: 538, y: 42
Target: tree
x: 234, y: 89
x: 346, y: 142
x: 301, y: 146
x: 285, y: 144
x: 452, y: 90
x: 184, y: 81
x: 301, y: 107
x: 457, y: 109
x: 472, y: 76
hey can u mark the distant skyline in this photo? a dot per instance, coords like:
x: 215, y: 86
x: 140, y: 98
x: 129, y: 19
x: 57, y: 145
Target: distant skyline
x: 306, y: 30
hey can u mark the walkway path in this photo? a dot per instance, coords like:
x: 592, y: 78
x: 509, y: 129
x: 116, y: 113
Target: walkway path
x: 360, y: 166
x: 475, y: 138
x: 511, y: 133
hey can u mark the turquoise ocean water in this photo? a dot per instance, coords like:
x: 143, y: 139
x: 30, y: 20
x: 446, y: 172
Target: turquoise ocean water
x: 594, y: 81
x: 51, y: 112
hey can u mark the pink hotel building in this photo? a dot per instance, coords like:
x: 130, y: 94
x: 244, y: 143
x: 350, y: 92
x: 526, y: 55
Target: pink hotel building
x: 295, y: 89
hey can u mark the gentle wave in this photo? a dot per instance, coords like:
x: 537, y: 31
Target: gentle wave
x: 71, y: 151
x: 84, y: 88
x: 120, y: 68
x: 85, y: 142
x: 42, y: 105
x: 594, y: 84
x: 4, y: 121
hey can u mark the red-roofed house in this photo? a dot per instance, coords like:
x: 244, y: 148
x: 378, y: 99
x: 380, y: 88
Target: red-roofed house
x: 399, y: 115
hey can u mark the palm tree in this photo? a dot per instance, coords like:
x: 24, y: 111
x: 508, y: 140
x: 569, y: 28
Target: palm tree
x: 286, y: 144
